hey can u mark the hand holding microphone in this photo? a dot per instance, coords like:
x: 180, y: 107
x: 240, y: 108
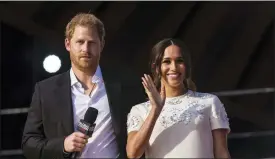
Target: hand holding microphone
x: 75, y: 142
x: 78, y: 140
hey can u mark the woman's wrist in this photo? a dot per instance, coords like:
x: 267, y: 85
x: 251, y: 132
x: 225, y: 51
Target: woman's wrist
x: 156, y: 110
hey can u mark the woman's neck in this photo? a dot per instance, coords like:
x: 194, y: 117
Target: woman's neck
x: 175, y: 91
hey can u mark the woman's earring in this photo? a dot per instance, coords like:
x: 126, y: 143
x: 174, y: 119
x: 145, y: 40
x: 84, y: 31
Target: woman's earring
x: 153, y: 65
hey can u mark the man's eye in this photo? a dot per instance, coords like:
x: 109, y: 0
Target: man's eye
x: 180, y: 60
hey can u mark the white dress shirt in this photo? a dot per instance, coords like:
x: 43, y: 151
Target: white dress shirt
x: 102, y: 144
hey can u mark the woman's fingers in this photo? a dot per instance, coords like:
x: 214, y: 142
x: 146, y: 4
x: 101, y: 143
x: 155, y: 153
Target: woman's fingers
x: 162, y: 92
x: 149, y: 85
x: 156, y: 98
x: 145, y: 87
x: 145, y: 84
x: 150, y: 79
x: 150, y: 82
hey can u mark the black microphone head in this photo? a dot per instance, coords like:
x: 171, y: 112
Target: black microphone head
x: 91, y: 115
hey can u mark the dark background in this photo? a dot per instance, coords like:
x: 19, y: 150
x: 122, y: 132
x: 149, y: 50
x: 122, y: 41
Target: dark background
x: 231, y: 44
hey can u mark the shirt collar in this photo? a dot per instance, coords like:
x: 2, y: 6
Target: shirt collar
x: 97, y: 78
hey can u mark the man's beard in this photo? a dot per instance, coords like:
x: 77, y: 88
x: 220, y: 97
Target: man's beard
x: 84, y: 66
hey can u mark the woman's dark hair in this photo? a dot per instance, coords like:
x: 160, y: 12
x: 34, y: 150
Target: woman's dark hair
x: 157, y: 56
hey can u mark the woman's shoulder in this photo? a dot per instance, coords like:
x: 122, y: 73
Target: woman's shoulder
x: 143, y: 107
x: 202, y: 95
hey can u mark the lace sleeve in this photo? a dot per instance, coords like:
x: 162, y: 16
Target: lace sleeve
x: 134, y: 120
x: 218, y: 117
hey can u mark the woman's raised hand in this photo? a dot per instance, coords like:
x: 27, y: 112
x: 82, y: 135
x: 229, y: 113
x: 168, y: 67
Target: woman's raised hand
x: 157, y: 99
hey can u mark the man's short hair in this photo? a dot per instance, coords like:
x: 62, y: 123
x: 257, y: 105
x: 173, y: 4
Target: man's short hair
x: 85, y: 20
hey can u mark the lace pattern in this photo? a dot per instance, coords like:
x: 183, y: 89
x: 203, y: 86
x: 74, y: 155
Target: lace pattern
x: 133, y: 123
x: 220, y: 113
x: 194, y: 110
x: 171, y: 116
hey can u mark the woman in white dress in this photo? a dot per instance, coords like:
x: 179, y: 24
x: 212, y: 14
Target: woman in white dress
x: 177, y: 121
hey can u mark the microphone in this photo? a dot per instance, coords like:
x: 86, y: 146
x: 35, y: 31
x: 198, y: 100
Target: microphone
x: 87, y: 125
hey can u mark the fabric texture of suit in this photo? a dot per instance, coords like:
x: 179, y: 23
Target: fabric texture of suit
x: 50, y: 117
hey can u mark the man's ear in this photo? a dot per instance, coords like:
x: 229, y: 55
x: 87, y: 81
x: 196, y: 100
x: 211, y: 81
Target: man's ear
x: 67, y: 44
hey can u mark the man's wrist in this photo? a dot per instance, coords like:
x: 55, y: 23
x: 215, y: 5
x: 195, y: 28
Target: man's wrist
x: 66, y: 154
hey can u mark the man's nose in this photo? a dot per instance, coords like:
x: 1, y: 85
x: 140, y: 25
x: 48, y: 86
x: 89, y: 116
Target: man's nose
x: 85, y: 47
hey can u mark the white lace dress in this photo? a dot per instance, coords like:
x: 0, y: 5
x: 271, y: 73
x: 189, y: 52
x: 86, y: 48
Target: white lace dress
x: 184, y: 127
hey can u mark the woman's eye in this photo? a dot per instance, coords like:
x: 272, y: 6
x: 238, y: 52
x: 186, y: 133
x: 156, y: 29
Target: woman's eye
x: 166, y: 61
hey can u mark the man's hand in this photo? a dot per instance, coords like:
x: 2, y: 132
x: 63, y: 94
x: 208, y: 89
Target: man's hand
x: 75, y: 142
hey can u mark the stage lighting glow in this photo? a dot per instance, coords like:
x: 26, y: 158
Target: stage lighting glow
x: 52, y: 63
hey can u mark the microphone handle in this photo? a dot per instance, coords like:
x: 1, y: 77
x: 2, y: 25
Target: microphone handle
x: 75, y: 154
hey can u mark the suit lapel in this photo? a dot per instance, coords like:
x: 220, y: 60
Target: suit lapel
x: 64, y: 99
x: 113, y: 90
